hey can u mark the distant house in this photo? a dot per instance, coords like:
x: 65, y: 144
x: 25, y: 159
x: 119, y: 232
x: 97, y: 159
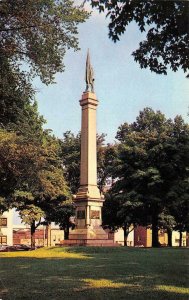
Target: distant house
x: 11, y: 234
x: 44, y: 236
x: 118, y: 236
x: 143, y: 237
x: 23, y: 236
x: 176, y: 236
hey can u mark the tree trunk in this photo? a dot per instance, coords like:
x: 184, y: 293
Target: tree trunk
x: 169, y: 233
x: 125, y: 230
x: 33, y: 235
x: 66, y: 232
x: 155, y: 240
x: 180, y: 239
x: 0, y: 228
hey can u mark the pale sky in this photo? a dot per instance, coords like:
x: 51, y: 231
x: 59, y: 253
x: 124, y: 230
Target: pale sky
x: 122, y: 88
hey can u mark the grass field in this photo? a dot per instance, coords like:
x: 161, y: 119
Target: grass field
x: 95, y: 273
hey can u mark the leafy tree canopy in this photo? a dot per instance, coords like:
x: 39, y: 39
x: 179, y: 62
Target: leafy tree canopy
x: 30, y: 171
x: 105, y: 157
x: 38, y: 179
x: 61, y: 211
x: 70, y: 145
x: 38, y: 33
x: 167, y: 26
x: 152, y: 168
x: 34, y: 37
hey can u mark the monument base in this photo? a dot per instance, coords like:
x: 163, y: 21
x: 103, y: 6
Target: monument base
x: 88, y: 233
x: 89, y: 242
x: 88, y: 237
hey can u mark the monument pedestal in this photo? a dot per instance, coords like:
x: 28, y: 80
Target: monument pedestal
x: 88, y: 230
x: 88, y: 220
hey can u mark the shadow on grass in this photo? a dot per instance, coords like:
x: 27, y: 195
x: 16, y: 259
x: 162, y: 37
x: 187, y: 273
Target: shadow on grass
x: 111, y: 274
x: 121, y: 249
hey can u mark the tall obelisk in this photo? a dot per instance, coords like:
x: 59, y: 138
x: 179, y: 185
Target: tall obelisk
x: 88, y: 201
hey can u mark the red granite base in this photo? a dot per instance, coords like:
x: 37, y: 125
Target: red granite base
x: 89, y: 242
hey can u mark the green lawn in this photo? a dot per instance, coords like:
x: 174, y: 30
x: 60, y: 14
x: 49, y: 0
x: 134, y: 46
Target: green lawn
x: 95, y: 273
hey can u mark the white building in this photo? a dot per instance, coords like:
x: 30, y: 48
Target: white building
x: 6, y: 228
x: 176, y: 238
x: 118, y: 236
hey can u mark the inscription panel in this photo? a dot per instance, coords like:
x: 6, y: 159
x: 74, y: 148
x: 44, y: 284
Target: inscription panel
x: 81, y: 214
x: 95, y: 214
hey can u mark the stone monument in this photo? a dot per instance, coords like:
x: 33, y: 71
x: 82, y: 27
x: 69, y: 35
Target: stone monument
x: 88, y: 201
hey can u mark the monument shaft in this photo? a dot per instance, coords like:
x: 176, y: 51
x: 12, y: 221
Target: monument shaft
x: 88, y: 140
x: 88, y: 170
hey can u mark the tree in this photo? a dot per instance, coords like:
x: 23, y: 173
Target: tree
x: 16, y: 95
x: 31, y: 176
x: 61, y: 211
x: 178, y: 198
x: 105, y: 158
x: 19, y: 110
x: 147, y: 165
x: 121, y: 210
x: 30, y: 214
x: 34, y: 37
x: 178, y: 195
x: 21, y: 137
x: 167, y: 222
x: 70, y: 145
x: 166, y: 23
x: 17, y: 162
x: 37, y: 33
x: 13, y: 157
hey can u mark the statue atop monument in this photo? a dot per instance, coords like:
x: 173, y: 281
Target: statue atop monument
x: 89, y: 75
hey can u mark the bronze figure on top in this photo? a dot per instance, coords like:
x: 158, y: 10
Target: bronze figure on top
x: 89, y: 75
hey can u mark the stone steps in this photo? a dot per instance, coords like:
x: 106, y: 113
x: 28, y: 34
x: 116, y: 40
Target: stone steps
x: 88, y: 242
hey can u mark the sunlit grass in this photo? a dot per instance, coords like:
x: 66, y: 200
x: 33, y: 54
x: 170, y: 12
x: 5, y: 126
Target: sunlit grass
x: 104, y: 283
x: 173, y: 289
x: 95, y: 273
x: 52, y: 252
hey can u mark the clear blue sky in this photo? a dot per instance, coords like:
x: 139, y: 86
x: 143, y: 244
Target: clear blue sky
x: 122, y: 88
